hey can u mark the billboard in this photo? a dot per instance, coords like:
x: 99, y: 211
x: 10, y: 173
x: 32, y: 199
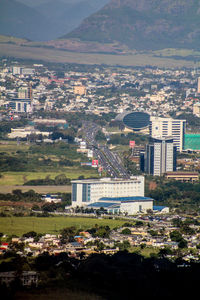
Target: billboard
x: 86, y: 164
x: 90, y: 153
x: 131, y: 144
x: 95, y: 163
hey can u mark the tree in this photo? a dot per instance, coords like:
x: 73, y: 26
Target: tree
x: 182, y: 244
x: 67, y: 234
x: 126, y: 231
x: 176, y: 236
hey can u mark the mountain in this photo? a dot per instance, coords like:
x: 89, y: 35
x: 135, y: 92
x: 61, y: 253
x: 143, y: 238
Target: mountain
x: 66, y: 16
x: 144, y: 24
x: 44, y: 20
x: 19, y: 20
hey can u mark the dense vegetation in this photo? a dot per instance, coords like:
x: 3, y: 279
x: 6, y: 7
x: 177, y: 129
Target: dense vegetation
x: 111, y: 277
x: 176, y: 194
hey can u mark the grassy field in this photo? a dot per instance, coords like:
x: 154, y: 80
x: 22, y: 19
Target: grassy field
x: 20, y: 225
x: 58, y: 56
x: 19, y: 178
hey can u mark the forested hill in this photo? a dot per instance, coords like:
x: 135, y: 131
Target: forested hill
x: 144, y: 24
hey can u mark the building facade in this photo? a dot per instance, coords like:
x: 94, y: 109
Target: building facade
x: 20, y: 105
x: 164, y: 127
x: 196, y: 109
x: 89, y: 191
x: 159, y: 157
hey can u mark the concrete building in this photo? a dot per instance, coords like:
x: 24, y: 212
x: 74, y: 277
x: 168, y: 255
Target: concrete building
x: 183, y: 176
x: 27, y: 278
x: 164, y: 127
x: 89, y: 191
x: 20, y: 105
x: 126, y: 205
x: 159, y: 157
x: 80, y: 90
x: 25, y: 92
x: 196, y: 109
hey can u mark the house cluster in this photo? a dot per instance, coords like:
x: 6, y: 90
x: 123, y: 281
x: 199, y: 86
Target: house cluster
x: 152, y: 232
x: 100, y: 90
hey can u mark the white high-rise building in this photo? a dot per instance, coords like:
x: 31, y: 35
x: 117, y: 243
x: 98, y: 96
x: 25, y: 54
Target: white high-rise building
x: 164, y: 127
x: 89, y: 191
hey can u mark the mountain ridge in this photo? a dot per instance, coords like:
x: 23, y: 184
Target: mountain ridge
x: 144, y: 24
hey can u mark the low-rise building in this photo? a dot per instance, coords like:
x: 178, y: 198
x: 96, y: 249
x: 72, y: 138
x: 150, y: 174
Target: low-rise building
x: 183, y: 176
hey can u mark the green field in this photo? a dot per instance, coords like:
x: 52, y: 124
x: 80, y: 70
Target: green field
x: 20, y: 225
x: 19, y: 178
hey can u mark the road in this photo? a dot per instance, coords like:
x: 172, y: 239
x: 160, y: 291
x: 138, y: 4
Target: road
x: 109, y: 161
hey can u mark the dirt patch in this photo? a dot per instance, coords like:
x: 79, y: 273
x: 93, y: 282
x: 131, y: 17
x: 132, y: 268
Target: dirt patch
x: 152, y: 185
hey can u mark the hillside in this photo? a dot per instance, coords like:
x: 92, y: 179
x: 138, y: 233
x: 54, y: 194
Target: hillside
x: 44, y: 20
x: 144, y: 24
x: 21, y: 21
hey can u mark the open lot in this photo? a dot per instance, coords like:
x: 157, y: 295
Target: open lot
x: 20, y: 225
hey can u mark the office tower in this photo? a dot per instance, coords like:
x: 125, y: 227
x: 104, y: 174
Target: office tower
x: 160, y: 156
x: 164, y: 127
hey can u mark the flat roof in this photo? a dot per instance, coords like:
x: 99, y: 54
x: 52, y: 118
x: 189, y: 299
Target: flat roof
x: 182, y: 173
x: 126, y: 199
x: 107, y: 180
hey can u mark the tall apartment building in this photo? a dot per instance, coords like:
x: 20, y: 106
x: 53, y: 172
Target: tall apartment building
x: 25, y: 92
x: 89, y: 191
x: 159, y: 157
x: 164, y: 127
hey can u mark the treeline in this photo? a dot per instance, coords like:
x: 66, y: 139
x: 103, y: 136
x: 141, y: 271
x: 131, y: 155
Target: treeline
x: 176, y: 193
x: 60, y: 179
x: 18, y: 195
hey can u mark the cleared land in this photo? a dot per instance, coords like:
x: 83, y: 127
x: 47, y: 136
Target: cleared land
x: 59, y: 56
x: 40, y: 189
x: 20, y: 225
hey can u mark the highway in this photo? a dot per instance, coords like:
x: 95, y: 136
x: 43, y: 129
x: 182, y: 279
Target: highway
x: 109, y: 161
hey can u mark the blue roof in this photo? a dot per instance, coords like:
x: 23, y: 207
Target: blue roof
x: 158, y: 207
x: 124, y: 199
